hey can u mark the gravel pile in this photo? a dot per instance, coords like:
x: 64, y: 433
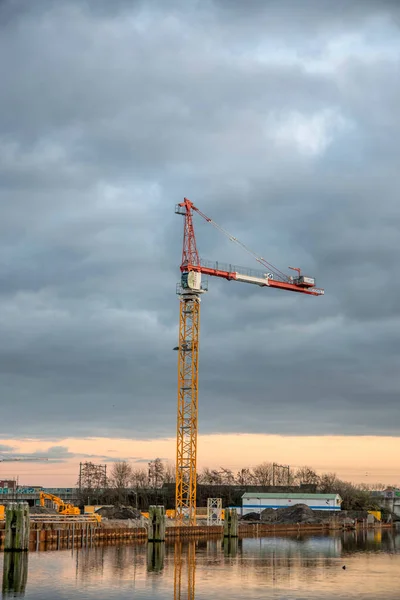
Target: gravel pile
x: 299, y: 513
x: 326, y: 515
x: 121, y: 523
x: 268, y: 515
x: 42, y: 510
x: 119, y: 512
x: 253, y: 516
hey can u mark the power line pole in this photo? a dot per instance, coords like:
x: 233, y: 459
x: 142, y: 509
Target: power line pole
x: 282, y: 468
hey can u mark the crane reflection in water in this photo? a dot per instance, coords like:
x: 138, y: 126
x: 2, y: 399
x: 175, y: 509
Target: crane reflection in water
x: 185, y: 575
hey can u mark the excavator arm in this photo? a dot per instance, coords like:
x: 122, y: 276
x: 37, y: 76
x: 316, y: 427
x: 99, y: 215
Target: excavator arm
x: 63, y: 508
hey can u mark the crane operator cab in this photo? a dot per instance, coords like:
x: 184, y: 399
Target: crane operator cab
x: 191, y: 280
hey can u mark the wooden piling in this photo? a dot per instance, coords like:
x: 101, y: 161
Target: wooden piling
x: 155, y: 556
x: 17, y: 527
x: 156, y: 530
x: 230, y: 547
x: 15, y: 574
x: 231, y: 523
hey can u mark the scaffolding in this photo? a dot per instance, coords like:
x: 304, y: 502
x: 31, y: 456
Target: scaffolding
x: 214, y: 511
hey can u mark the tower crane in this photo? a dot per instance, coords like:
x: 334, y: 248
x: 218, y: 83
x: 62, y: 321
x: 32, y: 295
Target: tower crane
x: 190, y: 290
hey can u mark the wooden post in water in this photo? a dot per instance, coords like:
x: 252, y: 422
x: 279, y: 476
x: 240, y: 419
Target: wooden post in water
x: 231, y: 523
x: 17, y: 527
x: 231, y: 546
x: 156, y: 531
x: 155, y: 556
x: 15, y: 574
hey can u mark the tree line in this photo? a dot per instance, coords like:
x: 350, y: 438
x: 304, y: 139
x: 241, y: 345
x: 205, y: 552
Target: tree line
x: 140, y: 485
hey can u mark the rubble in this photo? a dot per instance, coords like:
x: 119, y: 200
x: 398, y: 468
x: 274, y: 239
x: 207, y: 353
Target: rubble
x: 119, y: 512
x: 253, y: 516
x: 122, y: 523
x: 299, y: 513
x: 42, y: 510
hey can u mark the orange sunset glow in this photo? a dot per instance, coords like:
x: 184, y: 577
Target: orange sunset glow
x: 366, y: 459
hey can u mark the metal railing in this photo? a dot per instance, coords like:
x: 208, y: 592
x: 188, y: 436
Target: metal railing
x: 88, y: 518
x: 219, y: 266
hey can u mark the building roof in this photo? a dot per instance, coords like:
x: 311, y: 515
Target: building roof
x: 275, y: 495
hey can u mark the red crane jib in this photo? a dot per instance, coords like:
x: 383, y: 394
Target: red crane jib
x: 191, y: 260
x: 232, y: 275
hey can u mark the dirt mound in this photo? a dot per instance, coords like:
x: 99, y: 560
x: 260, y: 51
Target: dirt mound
x: 299, y: 513
x: 340, y: 515
x: 253, y: 516
x: 268, y: 515
x: 121, y: 523
x: 42, y: 510
x: 119, y: 512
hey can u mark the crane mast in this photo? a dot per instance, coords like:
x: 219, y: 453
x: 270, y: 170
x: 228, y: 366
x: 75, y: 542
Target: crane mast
x: 190, y: 290
x: 188, y: 373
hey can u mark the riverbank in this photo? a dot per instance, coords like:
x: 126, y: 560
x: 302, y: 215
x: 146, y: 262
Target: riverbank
x: 78, y: 534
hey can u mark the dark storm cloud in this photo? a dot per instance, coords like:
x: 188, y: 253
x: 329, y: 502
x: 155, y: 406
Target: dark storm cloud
x: 6, y: 448
x: 283, y: 126
x: 56, y: 454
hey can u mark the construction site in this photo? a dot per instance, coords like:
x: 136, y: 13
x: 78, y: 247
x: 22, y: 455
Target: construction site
x: 200, y: 331
x: 34, y: 518
x: 192, y: 286
x: 67, y: 516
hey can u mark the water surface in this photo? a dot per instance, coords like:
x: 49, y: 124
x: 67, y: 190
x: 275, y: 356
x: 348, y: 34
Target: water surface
x: 285, y: 568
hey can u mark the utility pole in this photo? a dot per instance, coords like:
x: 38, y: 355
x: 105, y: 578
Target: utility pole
x: 92, y: 479
x: 284, y: 468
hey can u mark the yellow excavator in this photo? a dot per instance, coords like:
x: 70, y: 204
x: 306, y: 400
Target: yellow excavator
x: 63, y: 508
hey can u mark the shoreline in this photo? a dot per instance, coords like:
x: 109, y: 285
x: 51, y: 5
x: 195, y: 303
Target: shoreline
x: 68, y: 535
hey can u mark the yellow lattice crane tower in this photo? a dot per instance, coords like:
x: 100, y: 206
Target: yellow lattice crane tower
x: 188, y: 372
x: 190, y: 290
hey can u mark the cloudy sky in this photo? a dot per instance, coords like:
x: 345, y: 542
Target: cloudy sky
x: 280, y: 120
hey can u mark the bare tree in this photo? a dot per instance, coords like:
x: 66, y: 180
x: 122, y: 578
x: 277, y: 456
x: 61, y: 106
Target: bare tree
x: 169, y: 473
x: 378, y: 487
x: 156, y: 472
x: 121, y: 474
x: 244, y: 477
x: 263, y: 474
x: 139, y: 478
x: 210, y: 477
x: 228, y: 477
x: 120, y: 478
x: 307, y: 476
x: 328, y: 483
